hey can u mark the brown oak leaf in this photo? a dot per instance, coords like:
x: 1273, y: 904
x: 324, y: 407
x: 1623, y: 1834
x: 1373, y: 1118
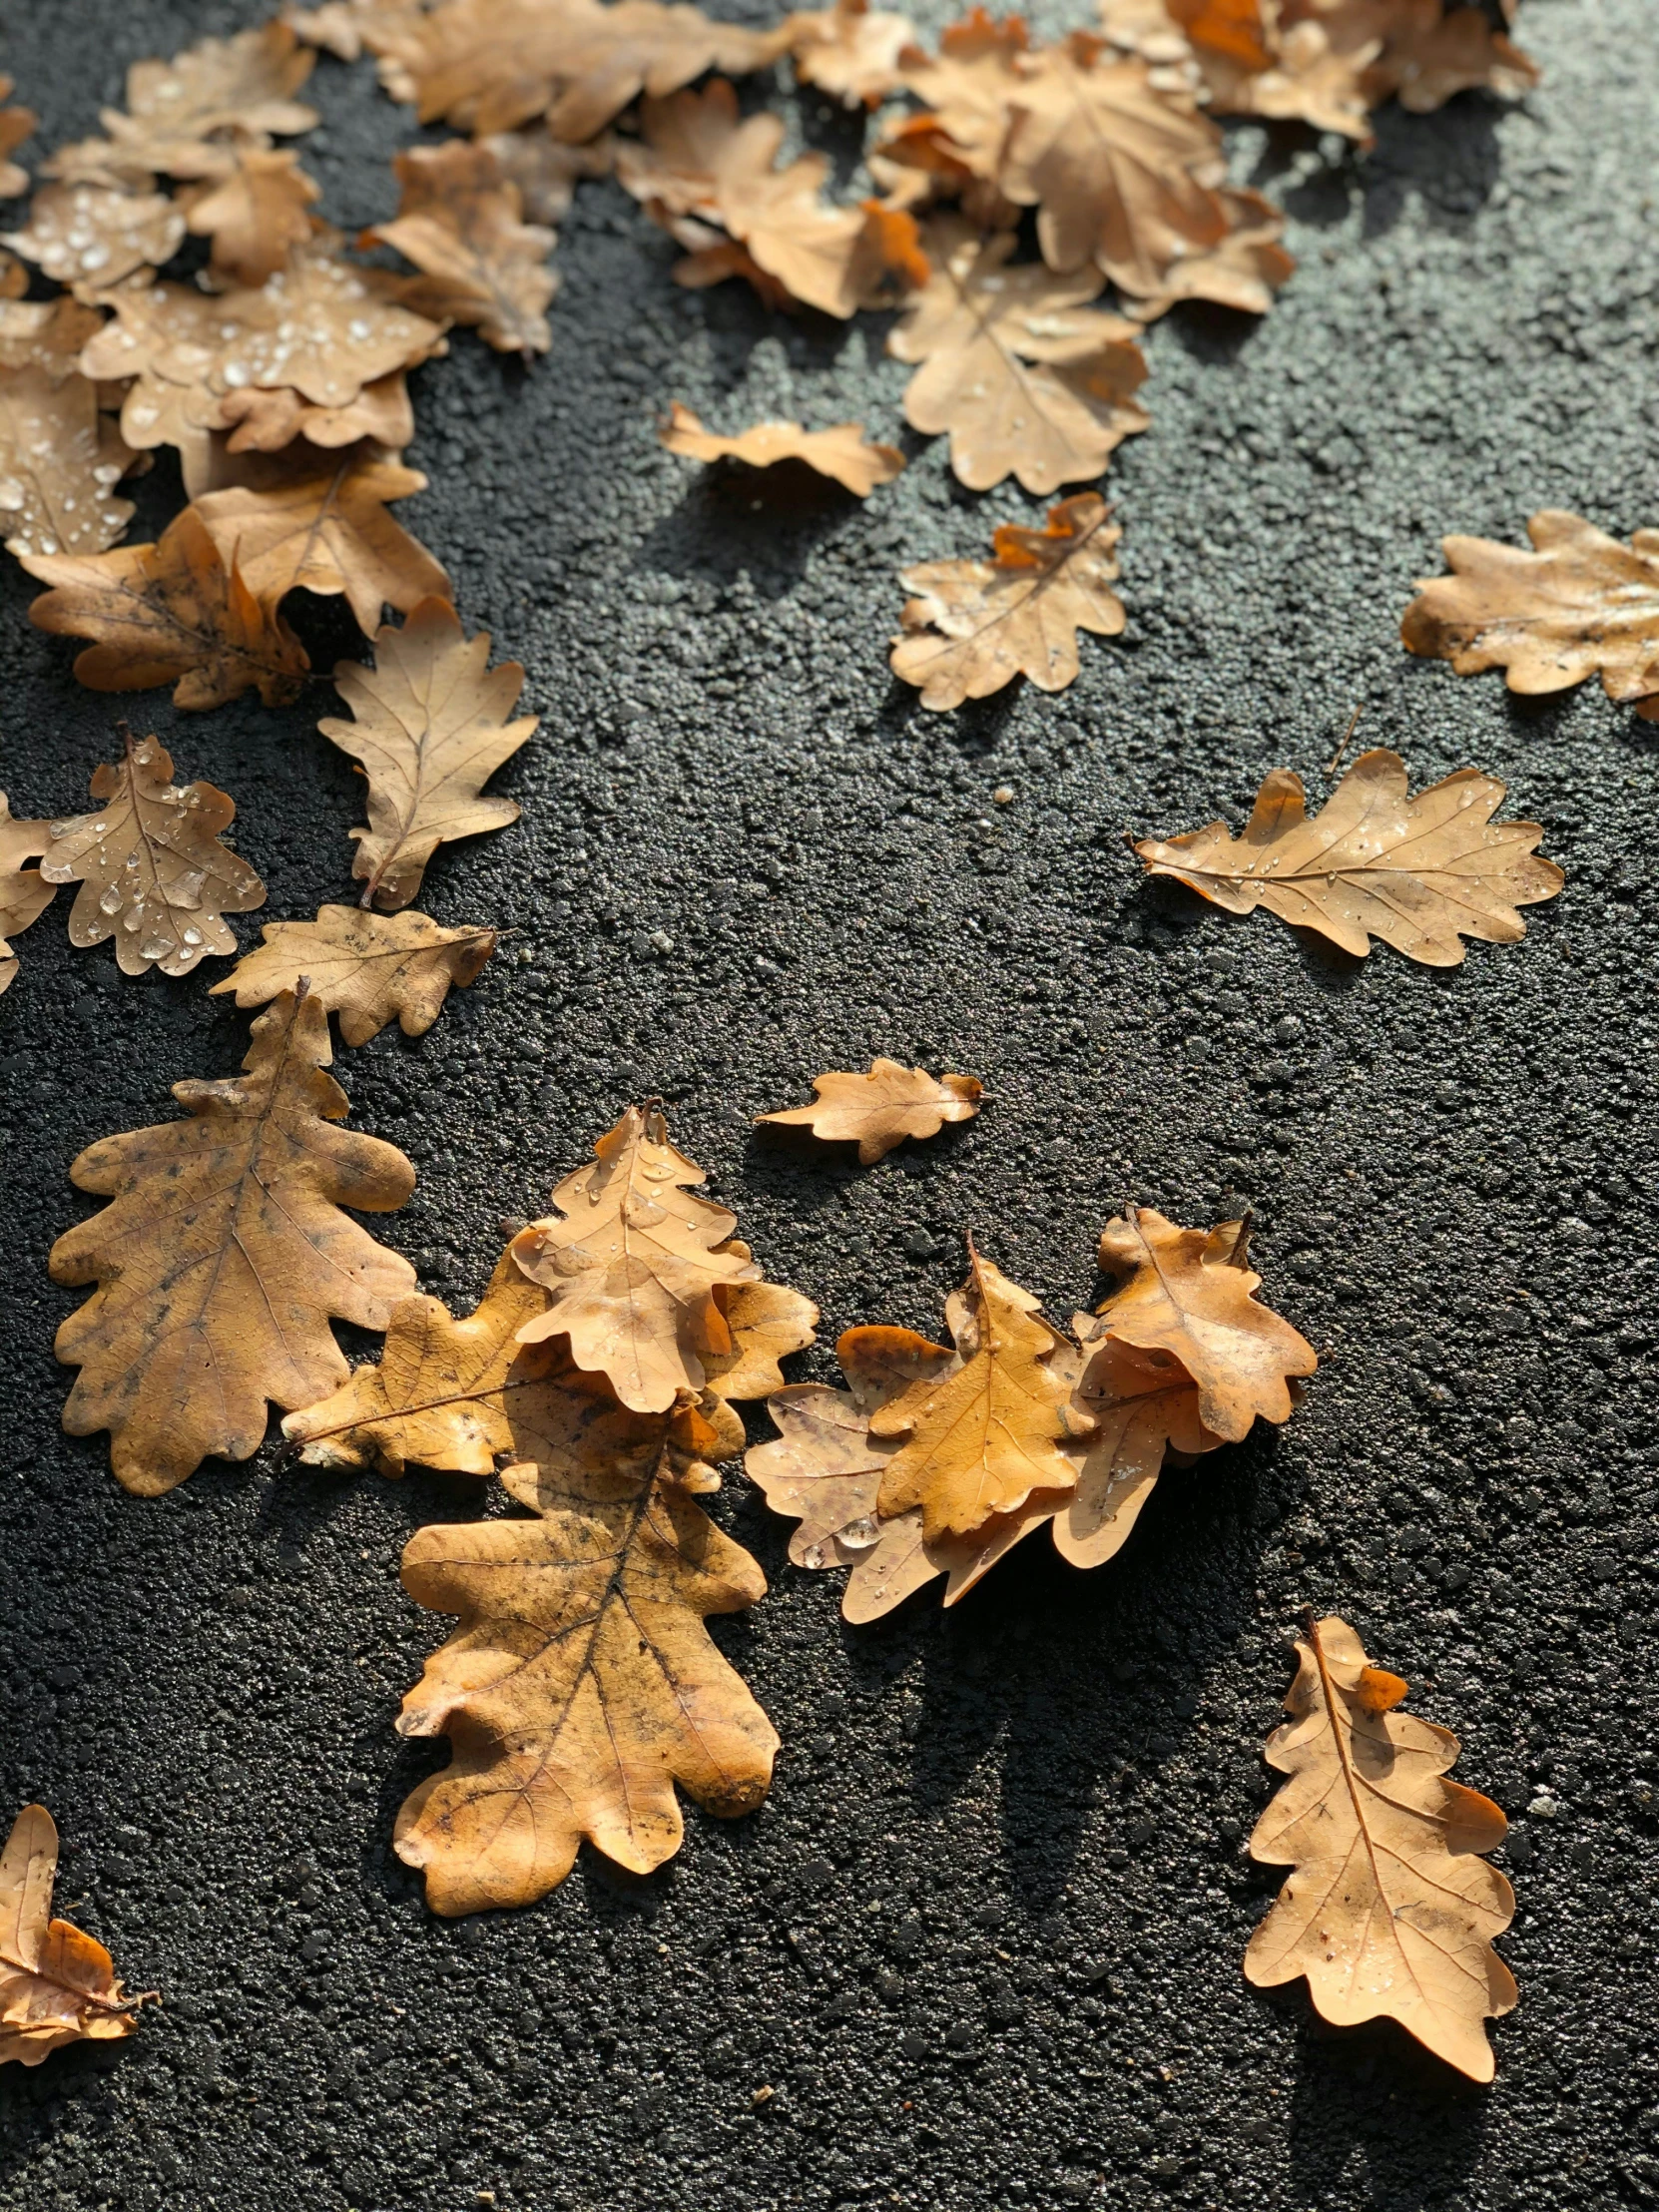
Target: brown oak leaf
x: 880, y: 1109
x: 255, y: 213
x: 545, y: 169
x: 221, y: 1257
x: 968, y: 88
x: 15, y: 124
x: 461, y: 222
x: 1242, y: 271
x: 60, y: 461
x: 367, y: 968
x: 849, y: 51
x: 266, y: 421
x: 188, y: 116
x: 431, y: 729
x: 57, y: 1985
x: 842, y: 452
x: 25, y: 893
x: 974, y: 625
x: 46, y: 333
x: 91, y: 237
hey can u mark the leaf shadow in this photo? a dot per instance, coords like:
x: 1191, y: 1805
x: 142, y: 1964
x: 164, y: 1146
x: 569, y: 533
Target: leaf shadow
x: 1450, y: 162
x: 736, y: 520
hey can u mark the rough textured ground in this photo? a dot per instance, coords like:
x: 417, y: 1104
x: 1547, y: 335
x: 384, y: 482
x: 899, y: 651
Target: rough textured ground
x: 983, y: 1942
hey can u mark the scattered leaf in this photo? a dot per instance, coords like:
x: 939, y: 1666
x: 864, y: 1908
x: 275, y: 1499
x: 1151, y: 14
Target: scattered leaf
x: 346, y: 28
x: 57, y: 1985
x: 1421, y: 874
x: 431, y: 731
x: 841, y: 452
x: 849, y: 51
x: 367, y: 968
x: 257, y: 213
x: 1134, y: 1406
x: 969, y: 88
x: 60, y: 461
x: 1391, y: 1909
x: 460, y: 221
x: 632, y: 1265
x: 878, y: 1110
x: 152, y: 871
x: 1026, y: 377
x: 25, y: 893
x: 91, y: 237
x: 169, y: 613
x: 976, y: 624
x: 1579, y: 602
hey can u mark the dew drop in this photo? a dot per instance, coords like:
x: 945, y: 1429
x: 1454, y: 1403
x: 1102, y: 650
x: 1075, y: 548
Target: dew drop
x: 110, y: 904
x: 859, y: 1536
x: 813, y: 1556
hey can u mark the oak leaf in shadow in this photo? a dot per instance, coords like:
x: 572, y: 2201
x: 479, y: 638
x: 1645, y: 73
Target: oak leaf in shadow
x: 57, y: 1985
x: 1391, y: 1908
x: 1580, y: 603
x: 365, y: 968
x: 851, y: 51
x: 974, y: 625
x: 221, y: 1257
x: 1421, y: 874
x: 430, y: 730
x: 1027, y: 378
x: 152, y: 871
x: 15, y: 124
x: 879, y: 1109
x: 60, y: 461
x: 460, y: 221
x: 632, y: 1258
x: 842, y: 452
x: 581, y: 1684
x: 25, y: 893
x: 176, y: 611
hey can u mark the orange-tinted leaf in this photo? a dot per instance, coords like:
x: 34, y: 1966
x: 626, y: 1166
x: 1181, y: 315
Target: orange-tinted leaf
x: 841, y: 452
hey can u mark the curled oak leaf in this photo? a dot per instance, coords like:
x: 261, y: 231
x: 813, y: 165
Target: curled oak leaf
x: 545, y: 169
x: 1137, y: 1406
x: 367, y: 968
x: 976, y: 624
x: 969, y: 88
x: 581, y: 1684
x: 981, y: 1440
x: 849, y: 51
x: 320, y: 525
x: 186, y: 114
x: 1023, y: 374
x: 880, y: 1109
x: 461, y: 221
x: 152, y: 871
x: 1186, y: 1294
x: 842, y: 452
x: 25, y: 893
x: 60, y: 461
x: 766, y: 1322
x: 487, y: 65
x: 1429, y: 53
x: 632, y: 1259
x: 222, y: 1255
x: 255, y: 213
x: 266, y: 421
x: 15, y: 124
x: 1578, y: 603
x: 1242, y: 272
x: 1421, y: 874
x: 57, y: 1985
x: 170, y: 613
x: 431, y: 731
x: 1391, y: 1908
x: 91, y: 237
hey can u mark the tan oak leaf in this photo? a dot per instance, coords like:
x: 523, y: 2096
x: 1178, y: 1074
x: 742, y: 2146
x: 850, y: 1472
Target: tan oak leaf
x: 15, y: 124
x: 257, y: 213
x: 851, y: 51
x: 266, y: 421
x: 186, y: 115
x: 461, y: 222
x: 842, y: 452
x: 879, y: 1109
x: 92, y: 237
x: 57, y: 1985
x: 60, y: 461
x: 25, y: 893
x: 365, y: 968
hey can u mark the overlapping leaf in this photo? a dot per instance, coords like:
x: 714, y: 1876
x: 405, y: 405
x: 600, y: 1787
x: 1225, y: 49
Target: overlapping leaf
x: 60, y: 461
x: 365, y: 968
x: 91, y: 237
x: 460, y: 221
x: 57, y: 1985
x: 851, y: 51
x: 188, y: 117
x: 256, y: 214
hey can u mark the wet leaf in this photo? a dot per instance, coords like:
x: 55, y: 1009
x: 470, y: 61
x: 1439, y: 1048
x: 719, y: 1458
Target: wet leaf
x: 60, y: 461
x: 257, y: 213
x: 431, y: 731
x: 849, y: 51
x: 221, y: 1257
x: 632, y: 1258
x: 460, y: 221
x: 976, y: 624
x: 46, y: 333
x: 1391, y: 1908
x: 90, y: 237
x: 267, y: 422
x: 1421, y: 874
x: 25, y: 893
x: 169, y: 613
x: 1025, y: 376
x: 1578, y: 603
x: 841, y: 452
x: 152, y: 871
x: 881, y: 1108
x: 57, y: 1985
x: 185, y: 116
x: 367, y: 968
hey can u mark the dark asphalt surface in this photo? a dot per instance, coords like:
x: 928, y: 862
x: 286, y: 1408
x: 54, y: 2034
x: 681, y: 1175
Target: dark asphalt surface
x: 983, y: 1942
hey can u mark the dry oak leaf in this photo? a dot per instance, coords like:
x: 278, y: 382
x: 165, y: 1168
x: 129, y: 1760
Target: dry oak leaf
x: 346, y: 28
x: 851, y: 51
x: 487, y: 65
x: 314, y: 524
x: 1134, y: 1406
x: 545, y: 169
x: 57, y: 1985
x: 170, y: 613
x: 186, y: 115
x: 1578, y: 603
x: 1242, y: 271
x: 266, y: 421
x: 255, y: 214
x: 981, y: 1440
x: 1187, y: 1294
x: 1391, y: 1909
x: 15, y: 124
x: 25, y: 893
x: 880, y: 1109
x: 1028, y: 380
x: 1257, y: 59
x: 765, y: 1323
x: 222, y: 1255
x: 152, y: 871
x: 431, y: 729
x: 367, y: 968
x: 91, y: 237
x: 461, y: 222
x: 1429, y: 55
x: 60, y: 461
x: 1421, y: 874
x: 968, y: 88
x: 842, y: 452
x: 633, y: 1264
x: 581, y: 1684
x: 976, y: 624
x: 46, y: 333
